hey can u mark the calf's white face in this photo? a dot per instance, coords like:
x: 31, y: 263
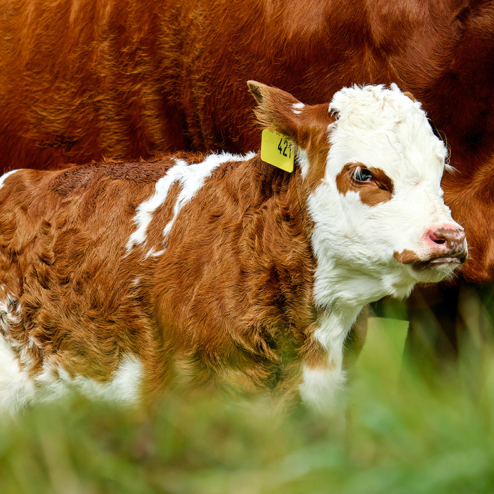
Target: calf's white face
x: 380, y: 221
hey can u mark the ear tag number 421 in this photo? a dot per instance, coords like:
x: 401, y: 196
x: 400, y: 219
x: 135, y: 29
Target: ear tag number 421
x: 276, y: 149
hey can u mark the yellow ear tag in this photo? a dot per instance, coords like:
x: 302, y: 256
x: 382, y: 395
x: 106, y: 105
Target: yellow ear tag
x: 276, y: 149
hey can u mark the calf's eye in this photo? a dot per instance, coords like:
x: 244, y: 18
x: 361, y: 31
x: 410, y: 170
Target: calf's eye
x: 362, y: 175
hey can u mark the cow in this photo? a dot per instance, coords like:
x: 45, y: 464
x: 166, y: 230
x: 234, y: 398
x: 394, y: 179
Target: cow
x: 80, y: 81
x: 125, y: 280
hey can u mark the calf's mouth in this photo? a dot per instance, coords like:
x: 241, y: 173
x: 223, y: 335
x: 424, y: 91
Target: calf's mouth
x: 411, y: 258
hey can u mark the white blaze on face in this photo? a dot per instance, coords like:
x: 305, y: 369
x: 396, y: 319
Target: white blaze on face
x: 359, y: 229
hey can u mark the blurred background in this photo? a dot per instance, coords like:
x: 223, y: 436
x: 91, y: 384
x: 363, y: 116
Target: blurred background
x: 407, y: 429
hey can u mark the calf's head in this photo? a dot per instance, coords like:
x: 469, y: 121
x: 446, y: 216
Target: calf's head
x: 372, y: 168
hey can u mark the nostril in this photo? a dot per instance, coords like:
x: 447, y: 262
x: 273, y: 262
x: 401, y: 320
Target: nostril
x: 452, y: 239
x: 437, y: 239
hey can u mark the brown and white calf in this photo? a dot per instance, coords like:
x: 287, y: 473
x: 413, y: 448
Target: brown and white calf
x: 126, y: 280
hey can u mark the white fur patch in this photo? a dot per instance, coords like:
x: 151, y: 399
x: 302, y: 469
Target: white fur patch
x: 333, y: 330
x: 5, y: 175
x: 11, y: 315
x: 17, y: 389
x: 303, y: 162
x: 145, y: 211
x: 322, y: 388
x: 297, y: 108
x: 123, y: 388
x: 191, y: 179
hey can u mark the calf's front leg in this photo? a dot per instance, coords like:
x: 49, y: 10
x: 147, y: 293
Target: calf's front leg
x: 323, y: 376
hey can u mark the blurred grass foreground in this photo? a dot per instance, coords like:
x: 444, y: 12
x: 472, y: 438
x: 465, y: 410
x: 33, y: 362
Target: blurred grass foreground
x: 404, y: 434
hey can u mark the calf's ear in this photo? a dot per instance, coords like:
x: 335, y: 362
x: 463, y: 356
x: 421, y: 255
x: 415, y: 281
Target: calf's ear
x: 277, y: 109
x: 281, y: 112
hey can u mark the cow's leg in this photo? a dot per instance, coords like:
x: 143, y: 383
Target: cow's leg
x: 475, y: 336
x: 432, y: 342
x: 448, y: 320
x: 453, y: 334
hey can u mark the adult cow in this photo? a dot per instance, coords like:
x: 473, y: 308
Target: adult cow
x: 127, y: 280
x: 87, y: 79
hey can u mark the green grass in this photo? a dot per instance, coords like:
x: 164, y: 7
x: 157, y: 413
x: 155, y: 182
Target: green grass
x: 403, y: 435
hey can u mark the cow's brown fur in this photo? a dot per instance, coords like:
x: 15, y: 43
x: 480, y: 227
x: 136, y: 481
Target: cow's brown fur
x: 84, y: 80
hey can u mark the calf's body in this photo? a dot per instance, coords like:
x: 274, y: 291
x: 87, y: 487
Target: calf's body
x: 227, y: 295
x: 126, y: 280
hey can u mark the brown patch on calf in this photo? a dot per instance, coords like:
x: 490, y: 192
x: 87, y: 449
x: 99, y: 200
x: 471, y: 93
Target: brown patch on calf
x: 409, y: 95
x: 377, y: 191
x: 407, y: 257
x: 315, y: 121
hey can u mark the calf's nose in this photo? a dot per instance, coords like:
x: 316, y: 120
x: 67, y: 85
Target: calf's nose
x: 449, y: 242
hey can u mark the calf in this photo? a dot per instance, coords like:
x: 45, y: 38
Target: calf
x: 126, y: 280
